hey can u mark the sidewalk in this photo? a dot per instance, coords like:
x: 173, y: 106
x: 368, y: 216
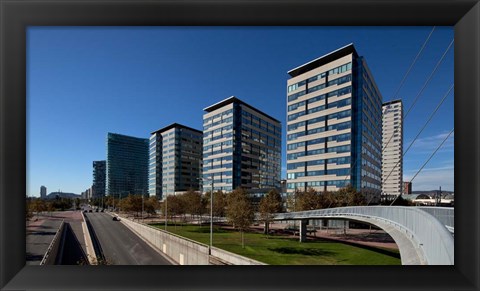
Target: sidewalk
x: 40, y: 234
x: 373, y: 238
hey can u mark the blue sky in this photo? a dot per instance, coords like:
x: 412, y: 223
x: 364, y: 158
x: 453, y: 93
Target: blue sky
x: 83, y: 82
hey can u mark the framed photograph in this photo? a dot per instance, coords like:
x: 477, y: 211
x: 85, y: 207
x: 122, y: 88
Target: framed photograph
x: 18, y: 19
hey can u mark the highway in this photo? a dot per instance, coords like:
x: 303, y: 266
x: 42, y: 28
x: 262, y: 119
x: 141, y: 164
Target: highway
x: 120, y: 245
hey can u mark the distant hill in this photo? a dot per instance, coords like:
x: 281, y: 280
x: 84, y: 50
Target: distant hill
x: 432, y: 192
x: 54, y: 195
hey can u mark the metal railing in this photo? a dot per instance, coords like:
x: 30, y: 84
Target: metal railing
x: 419, y: 226
x: 445, y: 215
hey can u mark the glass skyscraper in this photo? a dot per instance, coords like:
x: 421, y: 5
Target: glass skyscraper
x: 127, y: 165
x: 334, y: 125
x: 99, y: 175
x: 241, y: 146
x: 43, y: 192
x: 175, y: 160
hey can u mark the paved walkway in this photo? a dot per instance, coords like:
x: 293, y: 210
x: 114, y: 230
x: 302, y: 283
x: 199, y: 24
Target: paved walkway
x: 40, y: 232
x: 367, y: 237
x: 375, y: 238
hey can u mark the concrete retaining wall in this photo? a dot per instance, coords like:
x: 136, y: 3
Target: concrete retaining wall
x: 181, y: 250
x: 53, y: 251
x: 232, y: 258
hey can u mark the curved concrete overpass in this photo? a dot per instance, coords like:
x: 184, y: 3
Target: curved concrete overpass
x: 421, y: 238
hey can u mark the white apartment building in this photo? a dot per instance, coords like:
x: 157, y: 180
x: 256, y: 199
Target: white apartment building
x: 392, y: 141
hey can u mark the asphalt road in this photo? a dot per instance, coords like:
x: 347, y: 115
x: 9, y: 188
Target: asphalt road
x: 120, y: 245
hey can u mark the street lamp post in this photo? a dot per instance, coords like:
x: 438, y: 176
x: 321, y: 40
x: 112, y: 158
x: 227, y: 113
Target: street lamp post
x: 295, y: 205
x: 166, y: 216
x: 283, y: 193
x: 211, y: 217
x: 211, y: 212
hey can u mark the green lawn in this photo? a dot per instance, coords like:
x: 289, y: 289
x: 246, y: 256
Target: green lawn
x: 282, y: 250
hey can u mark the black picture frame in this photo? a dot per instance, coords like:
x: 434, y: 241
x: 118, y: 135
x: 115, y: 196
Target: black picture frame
x: 17, y: 15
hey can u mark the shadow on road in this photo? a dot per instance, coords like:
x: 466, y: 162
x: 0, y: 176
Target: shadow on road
x: 73, y: 253
x: 32, y: 257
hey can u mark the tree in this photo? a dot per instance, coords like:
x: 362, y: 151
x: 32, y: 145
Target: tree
x: 175, y: 206
x: 62, y: 203
x: 28, y: 209
x: 108, y: 201
x: 96, y: 201
x: 38, y: 206
x: 120, y: 204
x: 308, y: 200
x: 193, y: 203
x: 151, y: 205
x: 400, y: 201
x: 270, y: 204
x: 77, y: 203
x: 137, y: 203
x: 50, y: 208
x: 219, y: 203
x: 349, y: 196
x: 239, y: 211
x: 292, y: 201
x: 327, y: 199
x: 132, y: 203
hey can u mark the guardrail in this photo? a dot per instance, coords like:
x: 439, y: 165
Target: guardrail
x: 51, y: 255
x: 430, y: 235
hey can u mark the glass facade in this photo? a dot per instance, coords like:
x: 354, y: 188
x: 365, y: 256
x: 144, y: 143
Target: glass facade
x: 334, y: 125
x: 367, y: 151
x: 241, y: 147
x: 155, y: 165
x: 175, y: 160
x: 99, y: 175
x: 127, y: 165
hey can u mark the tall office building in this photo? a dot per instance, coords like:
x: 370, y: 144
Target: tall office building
x: 127, y: 165
x: 99, y: 175
x: 392, y: 153
x: 334, y: 133
x: 175, y: 160
x: 43, y: 192
x: 241, y: 146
